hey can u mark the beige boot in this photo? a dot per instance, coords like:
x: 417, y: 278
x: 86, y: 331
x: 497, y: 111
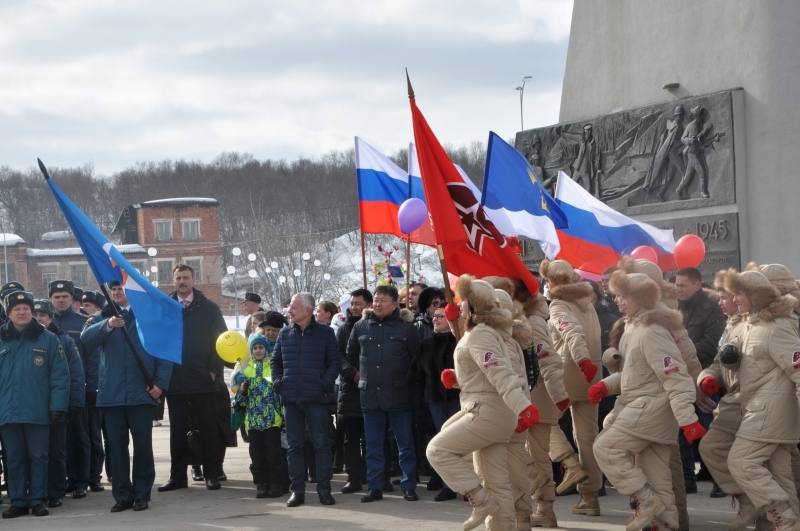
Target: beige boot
x: 747, y: 513
x: 544, y: 515
x: 537, y: 479
x: 649, y: 507
x: 588, y: 505
x: 573, y: 474
x: 483, y: 505
x: 523, y: 523
x: 782, y: 516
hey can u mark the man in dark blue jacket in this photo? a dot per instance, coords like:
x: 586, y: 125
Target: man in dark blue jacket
x: 34, y: 392
x: 61, y: 294
x: 126, y: 401
x: 382, y: 345
x: 305, y: 364
x: 92, y: 303
x: 57, y: 465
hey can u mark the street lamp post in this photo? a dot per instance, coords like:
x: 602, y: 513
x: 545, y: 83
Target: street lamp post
x: 304, y: 282
x: 233, y: 270
x: 521, y: 90
x: 253, y: 274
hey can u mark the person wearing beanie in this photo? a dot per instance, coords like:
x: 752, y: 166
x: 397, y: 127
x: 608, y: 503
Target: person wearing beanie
x: 264, y: 419
x: 61, y: 294
x: 657, y: 397
x: 552, y: 400
x: 57, y: 468
x: 32, y: 360
x: 493, y: 406
x: 518, y: 338
x: 766, y: 352
x: 575, y: 331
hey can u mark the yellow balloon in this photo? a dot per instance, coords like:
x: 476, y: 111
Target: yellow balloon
x: 231, y: 346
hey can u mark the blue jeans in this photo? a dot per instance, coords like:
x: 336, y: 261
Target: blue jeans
x: 316, y: 415
x: 441, y: 411
x: 375, y: 434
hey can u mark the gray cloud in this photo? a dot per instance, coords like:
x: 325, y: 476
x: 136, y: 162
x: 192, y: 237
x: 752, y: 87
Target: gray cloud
x: 116, y: 82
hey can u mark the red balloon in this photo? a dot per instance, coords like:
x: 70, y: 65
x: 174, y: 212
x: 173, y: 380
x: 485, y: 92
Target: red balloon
x: 644, y: 252
x: 689, y: 251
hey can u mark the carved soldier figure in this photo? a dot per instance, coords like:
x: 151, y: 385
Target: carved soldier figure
x: 586, y: 165
x: 668, y: 158
x: 697, y: 137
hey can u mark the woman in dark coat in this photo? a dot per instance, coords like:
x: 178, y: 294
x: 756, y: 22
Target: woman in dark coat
x: 433, y: 356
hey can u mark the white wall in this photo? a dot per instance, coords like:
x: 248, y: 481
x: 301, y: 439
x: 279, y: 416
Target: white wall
x: 622, y: 51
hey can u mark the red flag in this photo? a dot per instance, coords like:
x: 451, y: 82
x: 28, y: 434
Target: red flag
x: 470, y: 241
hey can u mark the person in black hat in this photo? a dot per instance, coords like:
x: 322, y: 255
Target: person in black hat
x: 8, y: 288
x: 92, y: 303
x: 77, y: 302
x: 32, y: 360
x: 61, y: 294
x: 252, y: 304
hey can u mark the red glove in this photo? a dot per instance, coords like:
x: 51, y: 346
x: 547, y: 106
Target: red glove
x: 529, y: 417
x: 694, y: 431
x: 588, y: 369
x: 563, y: 405
x: 451, y: 312
x: 709, y: 386
x: 597, y: 392
x: 448, y: 378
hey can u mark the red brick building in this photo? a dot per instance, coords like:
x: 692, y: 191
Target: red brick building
x: 181, y: 230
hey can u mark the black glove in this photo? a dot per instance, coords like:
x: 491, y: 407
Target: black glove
x: 91, y: 399
x: 75, y: 412
x: 729, y: 354
x: 55, y: 416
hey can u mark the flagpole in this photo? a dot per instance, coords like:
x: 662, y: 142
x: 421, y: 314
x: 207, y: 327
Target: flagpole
x: 408, y: 261
x: 363, y: 258
x: 447, y: 291
x: 148, y: 379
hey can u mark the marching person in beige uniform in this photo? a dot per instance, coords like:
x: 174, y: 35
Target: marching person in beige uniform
x: 716, y: 445
x: 575, y: 331
x: 519, y: 336
x: 656, y: 391
x: 767, y: 349
x: 550, y: 396
x: 492, y: 405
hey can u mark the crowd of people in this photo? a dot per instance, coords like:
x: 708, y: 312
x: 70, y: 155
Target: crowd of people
x: 502, y: 396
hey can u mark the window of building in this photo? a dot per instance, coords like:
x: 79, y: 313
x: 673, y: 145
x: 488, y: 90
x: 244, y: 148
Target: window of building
x: 196, y: 264
x: 80, y: 274
x: 164, y: 230
x: 12, y: 272
x: 49, y: 273
x: 191, y: 229
x: 138, y: 265
x: 164, y: 271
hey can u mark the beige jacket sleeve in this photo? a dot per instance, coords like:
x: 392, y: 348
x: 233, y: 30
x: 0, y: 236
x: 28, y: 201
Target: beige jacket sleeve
x: 712, y: 371
x: 564, y: 324
x: 613, y: 383
x: 489, y: 353
x: 551, y: 368
x: 784, y: 348
x: 660, y: 350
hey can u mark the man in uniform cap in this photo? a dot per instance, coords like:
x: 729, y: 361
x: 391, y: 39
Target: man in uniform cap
x: 77, y: 302
x: 61, y: 293
x: 34, y: 391
x: 93, y: 302
x: 7, y: 288
x: 57, y: 464
x: 252, y: 304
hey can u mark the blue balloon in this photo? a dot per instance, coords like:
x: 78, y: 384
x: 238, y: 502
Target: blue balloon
x: 412, y: 214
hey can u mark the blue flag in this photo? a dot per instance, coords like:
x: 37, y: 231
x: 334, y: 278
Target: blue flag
x: 515, y: 200
x: 159, y: 318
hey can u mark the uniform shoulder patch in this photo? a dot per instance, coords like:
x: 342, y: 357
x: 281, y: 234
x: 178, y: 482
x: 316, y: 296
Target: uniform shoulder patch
x: 60, y: 349
x: 796, y: 360
x: 489, y: 360
x: 668, y: 368
x: 561, y: 323
x: 540, y: 351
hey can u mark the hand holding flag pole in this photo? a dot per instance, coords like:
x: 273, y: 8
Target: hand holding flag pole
x: 148, y: 378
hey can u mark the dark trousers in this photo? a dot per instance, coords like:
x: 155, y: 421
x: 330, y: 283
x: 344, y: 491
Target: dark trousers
x: 79, y: 450
x: 204, y: 419
x: 375, y: 423
x: 338, y: 447
x: 354, y: 448
x: 138, y: 422
x: 94, y: 420
x: 317, y: 417
x: 687, y: 450
x: 57, y: 460
x: 266, y: 458
x: 27, y: 446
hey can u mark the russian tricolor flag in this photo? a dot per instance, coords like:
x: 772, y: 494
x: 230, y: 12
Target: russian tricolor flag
x: 382, y: 188
x: 598, y: 235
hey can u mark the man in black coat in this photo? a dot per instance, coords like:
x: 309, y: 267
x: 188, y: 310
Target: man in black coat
x: 382, y: 345
x: 193, y: 385
x: 349, y: 404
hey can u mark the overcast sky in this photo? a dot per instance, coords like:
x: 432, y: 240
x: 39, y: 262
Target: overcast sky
x: 115, y: 82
